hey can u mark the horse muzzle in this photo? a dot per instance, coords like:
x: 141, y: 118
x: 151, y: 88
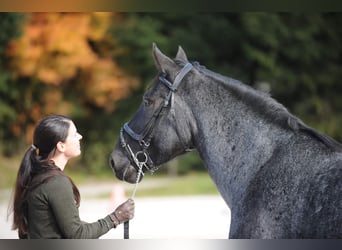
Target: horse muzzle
x: 122, y: 168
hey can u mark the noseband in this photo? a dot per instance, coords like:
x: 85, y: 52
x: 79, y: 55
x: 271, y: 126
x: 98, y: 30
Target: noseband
x: 142, y: 158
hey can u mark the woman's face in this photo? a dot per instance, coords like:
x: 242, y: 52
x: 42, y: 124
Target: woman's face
x: 72, y: 142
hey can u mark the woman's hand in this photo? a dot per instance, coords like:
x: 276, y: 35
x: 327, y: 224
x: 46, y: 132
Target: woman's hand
x: 124, y: 212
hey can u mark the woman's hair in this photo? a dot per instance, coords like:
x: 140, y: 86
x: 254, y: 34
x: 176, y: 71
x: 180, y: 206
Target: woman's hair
x: 37, y: 167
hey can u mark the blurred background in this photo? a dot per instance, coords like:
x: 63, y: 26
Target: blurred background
x: 94, y: 67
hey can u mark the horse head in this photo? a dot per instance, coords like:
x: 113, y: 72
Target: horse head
x: 162, y: 127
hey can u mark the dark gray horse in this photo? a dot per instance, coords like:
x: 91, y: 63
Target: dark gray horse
x: 279, y: 177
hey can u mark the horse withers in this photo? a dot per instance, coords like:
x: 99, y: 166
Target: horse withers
x: 279, y: 177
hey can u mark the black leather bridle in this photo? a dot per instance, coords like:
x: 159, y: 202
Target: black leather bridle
x: 141, y: 159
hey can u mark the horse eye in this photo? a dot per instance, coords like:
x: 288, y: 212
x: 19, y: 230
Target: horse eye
x: 148, y: 102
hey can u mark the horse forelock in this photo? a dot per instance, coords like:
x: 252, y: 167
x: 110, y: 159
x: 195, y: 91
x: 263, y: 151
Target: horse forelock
x: 266, y: 106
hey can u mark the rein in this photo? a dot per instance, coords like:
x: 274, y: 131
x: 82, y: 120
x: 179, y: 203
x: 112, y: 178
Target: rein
x: 141, y: 159
x: 126, y: 223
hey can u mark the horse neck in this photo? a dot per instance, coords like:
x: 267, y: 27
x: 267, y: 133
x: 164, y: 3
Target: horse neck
x: 232, y: 138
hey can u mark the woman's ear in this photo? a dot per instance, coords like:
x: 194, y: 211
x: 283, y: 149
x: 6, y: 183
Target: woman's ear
x: 60, y: 147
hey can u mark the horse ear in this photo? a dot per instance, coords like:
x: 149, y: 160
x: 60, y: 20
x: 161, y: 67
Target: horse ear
x: 162, y: 62
x: 181, y: 55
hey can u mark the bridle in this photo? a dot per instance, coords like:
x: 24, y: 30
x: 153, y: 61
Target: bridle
x: 141, y: 160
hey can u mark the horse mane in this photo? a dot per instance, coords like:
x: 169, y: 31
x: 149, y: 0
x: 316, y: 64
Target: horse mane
x: 267, y: 106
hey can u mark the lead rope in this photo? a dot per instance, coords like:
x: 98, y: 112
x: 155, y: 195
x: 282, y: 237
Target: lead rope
x: 140, y: 166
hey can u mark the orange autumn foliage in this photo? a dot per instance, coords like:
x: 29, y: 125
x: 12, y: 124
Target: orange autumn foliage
x: 56, y: 50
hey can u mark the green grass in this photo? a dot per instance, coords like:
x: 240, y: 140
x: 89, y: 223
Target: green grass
x: 190, y: 184
x: 9, y: 168
x: 153, y: 186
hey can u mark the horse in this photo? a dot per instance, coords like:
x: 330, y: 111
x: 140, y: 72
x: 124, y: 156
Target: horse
x: 280, y: 178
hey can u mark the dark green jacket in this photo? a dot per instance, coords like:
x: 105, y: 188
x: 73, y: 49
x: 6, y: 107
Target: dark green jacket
x: 52, y: 213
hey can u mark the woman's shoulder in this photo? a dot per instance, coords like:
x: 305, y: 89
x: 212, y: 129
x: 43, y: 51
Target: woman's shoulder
x: 58, y: 182
x: 52, y: 186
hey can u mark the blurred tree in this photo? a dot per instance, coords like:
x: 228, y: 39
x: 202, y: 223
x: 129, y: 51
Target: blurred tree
x: 10, y: 29
x: 130, y: 45
x: 299, y: 56
x: 61, y: 65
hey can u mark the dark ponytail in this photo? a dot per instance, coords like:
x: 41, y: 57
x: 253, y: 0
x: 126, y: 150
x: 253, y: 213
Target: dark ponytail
x: 24, y: 179
x: 37, y: 167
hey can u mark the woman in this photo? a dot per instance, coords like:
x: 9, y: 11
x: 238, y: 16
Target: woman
x: 46, y: 200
